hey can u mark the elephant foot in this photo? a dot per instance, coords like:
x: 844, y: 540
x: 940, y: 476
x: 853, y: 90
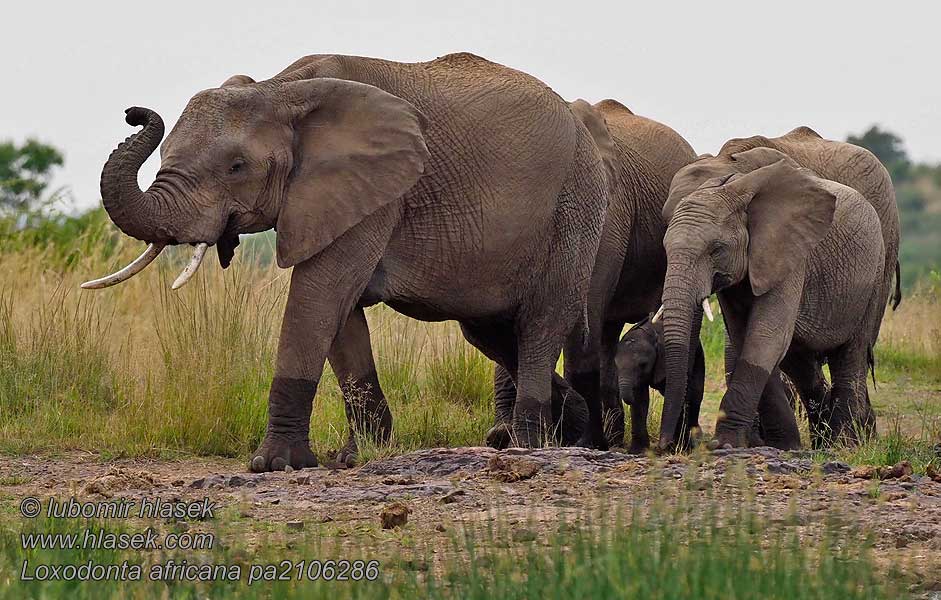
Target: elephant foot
x: 276, y: 455
x: 347, y: 455
x: 639, y: 446
x: 729, y: 438
x: 500, y: 436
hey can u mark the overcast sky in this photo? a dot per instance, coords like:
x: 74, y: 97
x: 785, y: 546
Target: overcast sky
x: 710, y: 70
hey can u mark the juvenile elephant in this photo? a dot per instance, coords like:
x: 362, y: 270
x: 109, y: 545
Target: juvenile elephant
x: 797, y: 262
x: 642, y: 157
x: 640, y: 363
x: 451, y: 189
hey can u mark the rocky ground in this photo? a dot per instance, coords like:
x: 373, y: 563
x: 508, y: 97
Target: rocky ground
x: 404, y: 506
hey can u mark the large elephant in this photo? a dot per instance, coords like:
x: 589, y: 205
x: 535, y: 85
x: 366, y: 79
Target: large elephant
x: 642, y: 156
x: 451, y: 189
x: 801, y: 262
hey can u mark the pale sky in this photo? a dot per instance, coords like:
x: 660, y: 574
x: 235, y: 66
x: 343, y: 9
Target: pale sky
x: 711, y: 70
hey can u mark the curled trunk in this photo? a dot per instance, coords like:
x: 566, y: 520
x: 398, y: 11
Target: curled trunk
x: 137, y: 213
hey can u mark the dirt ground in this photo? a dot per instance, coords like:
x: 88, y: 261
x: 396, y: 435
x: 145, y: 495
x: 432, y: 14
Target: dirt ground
x: 440, y: 491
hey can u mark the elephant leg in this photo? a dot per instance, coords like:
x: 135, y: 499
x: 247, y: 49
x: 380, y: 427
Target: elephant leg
x: 582, y: 370
x: 612, y: 410
x: 537, y: 353
x: 776, y: 415
x: 768, y: 329
x: 640, y: 437
x: 804, y: 369
x: 849, y: 418
x: 569, y: 412
x: 324, y: 291
x: 367, y: 411
x: 695, y: 388
x: 504, y: 397
x: 730, y: 356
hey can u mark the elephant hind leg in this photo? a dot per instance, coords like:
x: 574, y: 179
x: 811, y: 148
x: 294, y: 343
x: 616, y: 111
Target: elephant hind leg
x: 849, y: 418
x: 367, y: 411
x: 806, y: 372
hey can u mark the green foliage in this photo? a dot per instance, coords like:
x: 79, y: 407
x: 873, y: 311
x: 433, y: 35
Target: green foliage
x: 25, y: 172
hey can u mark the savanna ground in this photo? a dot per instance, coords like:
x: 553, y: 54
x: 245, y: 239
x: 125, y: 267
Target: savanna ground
x: 137, y: 391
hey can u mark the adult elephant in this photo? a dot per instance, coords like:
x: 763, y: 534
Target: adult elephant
x: 642, y: 157
x: 802, y: 262
x: 451, y: 189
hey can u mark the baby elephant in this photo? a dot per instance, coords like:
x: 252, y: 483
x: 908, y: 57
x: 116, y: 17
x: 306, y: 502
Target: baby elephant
x: 640, y: 366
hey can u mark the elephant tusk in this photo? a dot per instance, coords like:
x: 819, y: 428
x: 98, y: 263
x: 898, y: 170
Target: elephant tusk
x: 198, y: 254
x: 657, y: 315
x: 135, y: 267
x: 707, y: 309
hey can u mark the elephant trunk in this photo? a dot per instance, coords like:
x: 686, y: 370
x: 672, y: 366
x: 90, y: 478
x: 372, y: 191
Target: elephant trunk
x: 682, y: 320
x: 143, y: 215
x: 137, y: 213
x: 626, y: 390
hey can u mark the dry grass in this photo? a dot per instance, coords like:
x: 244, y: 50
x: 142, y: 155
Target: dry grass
x: 138, y: 369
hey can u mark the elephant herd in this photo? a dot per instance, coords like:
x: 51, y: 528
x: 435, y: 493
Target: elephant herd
x: 460, y: 189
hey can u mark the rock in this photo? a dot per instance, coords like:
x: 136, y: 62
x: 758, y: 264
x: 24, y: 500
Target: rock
x: 236, y: 481
x: 295, y: 525
x: 326, y: 519
x: 864, y: 472
x: 301, y: 480
x: 440, y: 528
x: 394, y: 515
x: 511, y: 468
x: 834, y: 467
x: 451, y: 497
x: 399, y: 481
x: 902, y: 469
x: 178, y: 483
x: 210, y: 481
x: 288, y: 469
x: 933, y: 472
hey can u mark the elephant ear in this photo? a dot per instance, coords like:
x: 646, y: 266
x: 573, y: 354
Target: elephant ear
x: 595, y: 122
x: 356, y: 149
x: 788, y: 212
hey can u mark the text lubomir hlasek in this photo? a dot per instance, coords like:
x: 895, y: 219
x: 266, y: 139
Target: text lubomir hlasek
x: 155, y: 508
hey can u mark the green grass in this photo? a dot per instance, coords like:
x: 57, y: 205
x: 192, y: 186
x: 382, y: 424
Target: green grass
x: 702, y: 549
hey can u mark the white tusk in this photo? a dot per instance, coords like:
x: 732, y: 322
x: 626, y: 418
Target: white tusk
x: 707, y: 309
x: 136, y: 266
x: 198, y: 254
x: 657, y: 315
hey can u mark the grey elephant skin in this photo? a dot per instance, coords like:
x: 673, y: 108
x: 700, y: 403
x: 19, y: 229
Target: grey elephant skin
x: 641, y: 156
x: 451, y: 189
x: 640, y: 362
x: 798, y: 236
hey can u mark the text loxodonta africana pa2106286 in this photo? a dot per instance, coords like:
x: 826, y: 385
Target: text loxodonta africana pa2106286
x: 802, y: 261
x: 450, y: 189
x: 642, y: 157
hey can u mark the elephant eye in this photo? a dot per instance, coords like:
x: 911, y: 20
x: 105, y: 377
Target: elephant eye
x: 237, y: 165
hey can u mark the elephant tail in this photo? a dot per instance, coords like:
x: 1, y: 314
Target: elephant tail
x: 897, y: 296
x: 871, y: 361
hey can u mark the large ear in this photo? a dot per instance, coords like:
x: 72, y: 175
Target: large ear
x: 788, y: 212
x: 356, y: 149
x: 598, y: 128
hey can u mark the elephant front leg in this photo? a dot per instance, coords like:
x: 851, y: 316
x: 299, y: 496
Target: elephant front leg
x: 367, y: 411
x: 763, y: 340
x: 287, y: 438
x: 612, y: 409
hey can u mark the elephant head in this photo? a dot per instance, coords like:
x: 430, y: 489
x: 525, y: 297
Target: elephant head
x: 311, y: 158
x: 755, y: 216
x: 639, y: 363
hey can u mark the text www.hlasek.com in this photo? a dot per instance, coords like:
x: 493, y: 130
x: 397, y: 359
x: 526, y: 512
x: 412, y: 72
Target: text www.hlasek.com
x: 174, y: 569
